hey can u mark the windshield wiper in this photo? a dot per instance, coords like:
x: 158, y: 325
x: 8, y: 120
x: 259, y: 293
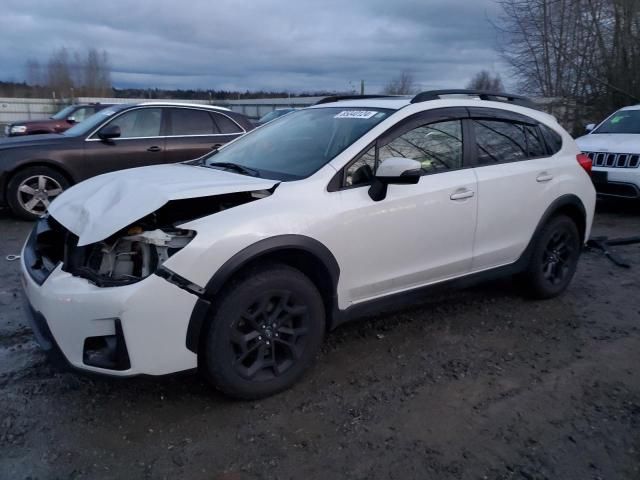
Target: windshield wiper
x: 234, y: 166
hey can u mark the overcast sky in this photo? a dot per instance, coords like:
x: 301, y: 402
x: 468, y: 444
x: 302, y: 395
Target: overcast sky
x: 290, y: 45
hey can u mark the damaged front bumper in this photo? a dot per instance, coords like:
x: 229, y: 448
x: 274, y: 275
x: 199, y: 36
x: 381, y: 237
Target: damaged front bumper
x: 126, y: 330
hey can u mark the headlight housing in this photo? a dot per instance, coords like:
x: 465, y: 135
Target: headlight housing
x: 128, y: 258
x: 18, y: 129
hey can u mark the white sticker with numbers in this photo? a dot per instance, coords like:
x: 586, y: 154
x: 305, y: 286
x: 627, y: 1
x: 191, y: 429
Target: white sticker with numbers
x: 364, y: 114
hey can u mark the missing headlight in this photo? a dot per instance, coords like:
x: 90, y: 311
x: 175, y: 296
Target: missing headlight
x: 126, y: 259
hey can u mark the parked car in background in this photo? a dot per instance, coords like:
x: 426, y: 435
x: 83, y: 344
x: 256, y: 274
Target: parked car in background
x: 614, y: 148
x: 34, y: 170
x: 277, y: 113
x: 58, y: 123
x: 240, y: 262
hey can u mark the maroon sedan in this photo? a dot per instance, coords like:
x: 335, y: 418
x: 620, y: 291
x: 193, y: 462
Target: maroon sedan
x: 58, y: 123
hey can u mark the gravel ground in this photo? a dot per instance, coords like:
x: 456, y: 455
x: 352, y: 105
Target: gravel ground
x: 474, y: 384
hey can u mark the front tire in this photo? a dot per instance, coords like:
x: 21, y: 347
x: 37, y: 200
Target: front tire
x: 30, y: 191
x: 264, y: 333
x: 554, y: 259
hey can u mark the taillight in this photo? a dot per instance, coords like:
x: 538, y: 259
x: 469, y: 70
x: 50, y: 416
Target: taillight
x: 585, y: 162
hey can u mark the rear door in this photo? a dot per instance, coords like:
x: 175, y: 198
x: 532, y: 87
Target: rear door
x: 418, y: 234
x: 515, y: 173
x: 141, y: 142
x: 194, y: 132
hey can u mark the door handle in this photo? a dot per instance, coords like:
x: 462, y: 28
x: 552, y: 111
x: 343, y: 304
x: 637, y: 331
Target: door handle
x: 462, y: 194
x: 155, y: 148
x: 216, y: 146
x: 544, y: 177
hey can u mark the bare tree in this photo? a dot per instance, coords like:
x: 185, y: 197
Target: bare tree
x: 96, y: 74
x: 583, y: 51
x: 483, y: 80
x: 59, y: 74
x: 403, y: 84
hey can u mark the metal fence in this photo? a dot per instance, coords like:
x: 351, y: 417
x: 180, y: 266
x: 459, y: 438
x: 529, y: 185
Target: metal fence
x: 16, y: 109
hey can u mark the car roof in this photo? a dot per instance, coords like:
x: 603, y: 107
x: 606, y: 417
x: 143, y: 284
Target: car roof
x: 456, y: 100
x: 183, y: 104
x: 631, y: 107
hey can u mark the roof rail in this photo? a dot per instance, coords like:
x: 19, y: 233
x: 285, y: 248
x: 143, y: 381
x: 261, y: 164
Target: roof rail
x: 482, y: 94
x: 337, y: 98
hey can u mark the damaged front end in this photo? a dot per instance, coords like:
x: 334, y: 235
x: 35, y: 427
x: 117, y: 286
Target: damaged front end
x: 121, y: 260
x: 130, y: 254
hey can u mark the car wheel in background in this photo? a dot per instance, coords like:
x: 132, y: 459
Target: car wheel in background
x: 30, y: 191
x: 266, y: 330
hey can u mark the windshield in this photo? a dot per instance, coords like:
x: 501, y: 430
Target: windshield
x: 300, y: 143
x: 93, y: 121
x: 624, y: 121
x: 273, y: 115
x: 64, y: 113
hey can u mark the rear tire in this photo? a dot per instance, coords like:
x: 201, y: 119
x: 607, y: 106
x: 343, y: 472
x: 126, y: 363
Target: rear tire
x: 554, y: 259
x: 265, y: 332
x: 30, y: 191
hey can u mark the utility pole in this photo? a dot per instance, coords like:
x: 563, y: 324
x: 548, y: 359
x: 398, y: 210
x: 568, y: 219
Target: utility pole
x: 361, y: 87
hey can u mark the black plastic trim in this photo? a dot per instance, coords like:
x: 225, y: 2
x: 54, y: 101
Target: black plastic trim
x: 243, y: 258
x: 482, y: 94
x: 179, y: 281
x: 338, y: 98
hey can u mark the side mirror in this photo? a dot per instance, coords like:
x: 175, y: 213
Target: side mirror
x: 396, y: 171
x: 109, y: 132
x: 590, y: 127
x: 71, y: 119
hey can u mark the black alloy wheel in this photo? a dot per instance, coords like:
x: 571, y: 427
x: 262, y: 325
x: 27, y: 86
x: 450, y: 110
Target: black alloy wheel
x: 270, y: 335
x: 554, y: 258
x: 265, y: 330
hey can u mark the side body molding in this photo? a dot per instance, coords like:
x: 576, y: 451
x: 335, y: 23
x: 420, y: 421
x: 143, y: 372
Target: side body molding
x: 329, y: 273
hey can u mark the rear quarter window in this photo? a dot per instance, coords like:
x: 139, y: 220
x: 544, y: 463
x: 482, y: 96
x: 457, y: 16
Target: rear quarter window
x: 552, y: 139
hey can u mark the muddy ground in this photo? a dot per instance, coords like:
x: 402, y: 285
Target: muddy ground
x: 480, y: 383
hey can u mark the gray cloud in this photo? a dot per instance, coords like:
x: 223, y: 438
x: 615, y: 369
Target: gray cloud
x: 242, y: 44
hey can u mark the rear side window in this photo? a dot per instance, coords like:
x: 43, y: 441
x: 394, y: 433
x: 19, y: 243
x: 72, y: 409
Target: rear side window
x: 500, y: 141
x: 552, y: 138
x: 226, y: 125
x: 188, y: 121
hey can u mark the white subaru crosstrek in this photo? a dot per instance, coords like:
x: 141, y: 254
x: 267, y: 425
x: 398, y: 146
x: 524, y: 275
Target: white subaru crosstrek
x: 614, y: 148
x: 240, y: 262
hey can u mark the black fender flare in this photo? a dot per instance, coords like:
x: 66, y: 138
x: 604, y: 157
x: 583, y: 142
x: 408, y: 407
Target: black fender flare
x: 243, y: 258
x: 557, y: 206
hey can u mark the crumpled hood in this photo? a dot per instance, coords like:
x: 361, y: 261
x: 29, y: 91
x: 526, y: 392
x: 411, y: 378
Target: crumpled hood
x: 100, y: 206
x: 610, y: 142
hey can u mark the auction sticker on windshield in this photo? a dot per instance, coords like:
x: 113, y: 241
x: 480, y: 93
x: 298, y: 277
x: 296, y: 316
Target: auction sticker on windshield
x: 355, y: 114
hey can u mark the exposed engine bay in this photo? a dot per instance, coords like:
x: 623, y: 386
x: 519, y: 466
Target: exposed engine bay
x: 134, y: 252
x: 134, y: 256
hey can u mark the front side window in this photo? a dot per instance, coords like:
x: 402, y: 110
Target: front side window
x: 82, y: 113
x: 141, y: 122
x: 437, y: 146
x: 298, y: 144
x: 64, y: 113
x: 500, y: 141
x: 624, y: 121
x: 189, y: 121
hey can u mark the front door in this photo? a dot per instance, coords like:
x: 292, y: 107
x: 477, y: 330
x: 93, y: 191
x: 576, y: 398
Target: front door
x: 140, y: 143
x: 419, y: 234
